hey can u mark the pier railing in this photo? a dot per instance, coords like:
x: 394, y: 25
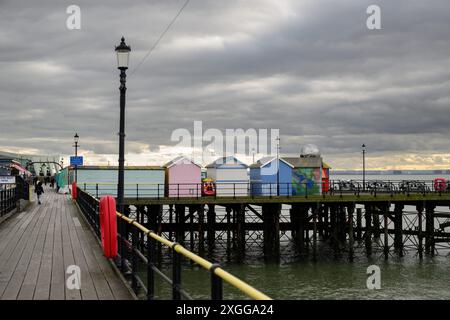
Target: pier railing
x: 8, y: 198
x: 137, y: 246
x: 257, y: 189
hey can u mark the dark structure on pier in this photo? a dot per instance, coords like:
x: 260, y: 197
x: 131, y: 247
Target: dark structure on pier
x: 385, y: 223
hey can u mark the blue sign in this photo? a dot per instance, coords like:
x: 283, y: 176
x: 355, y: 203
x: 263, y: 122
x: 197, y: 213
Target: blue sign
x: 76, y: 161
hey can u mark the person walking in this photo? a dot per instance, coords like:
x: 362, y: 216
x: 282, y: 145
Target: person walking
x: 39, y: 191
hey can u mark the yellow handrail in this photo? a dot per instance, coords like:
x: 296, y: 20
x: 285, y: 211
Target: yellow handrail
x: 229, y: 278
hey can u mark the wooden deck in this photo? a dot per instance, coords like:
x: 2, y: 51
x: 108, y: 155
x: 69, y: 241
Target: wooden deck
x: 38, y: 244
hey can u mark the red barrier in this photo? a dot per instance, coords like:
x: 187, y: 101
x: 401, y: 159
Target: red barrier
x: 108, y: 226
x: 74, y: 190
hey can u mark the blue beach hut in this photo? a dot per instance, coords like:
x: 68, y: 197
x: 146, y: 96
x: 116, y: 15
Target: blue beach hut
x: 264, y: 177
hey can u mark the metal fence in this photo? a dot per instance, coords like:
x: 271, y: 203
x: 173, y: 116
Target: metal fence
x: 8, y: 199
x: 137, y: 247
x: 256, y: 189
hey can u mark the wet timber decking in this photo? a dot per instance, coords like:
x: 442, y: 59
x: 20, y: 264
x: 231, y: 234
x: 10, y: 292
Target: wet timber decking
x: 38, y: 244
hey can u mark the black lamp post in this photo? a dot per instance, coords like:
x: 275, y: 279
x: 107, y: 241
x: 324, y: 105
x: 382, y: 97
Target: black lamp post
x: 75, y: 139
x: 364, y: 166
x: 123, y: 54
x: 278, y: 166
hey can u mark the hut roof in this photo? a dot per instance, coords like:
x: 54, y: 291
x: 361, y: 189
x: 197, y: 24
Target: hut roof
x: 177, y: 160
x: 266, y: 160
x: 226, y: 161
x: 304, y: 162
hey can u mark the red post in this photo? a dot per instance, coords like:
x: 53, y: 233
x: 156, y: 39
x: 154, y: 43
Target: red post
x: 74, y: 191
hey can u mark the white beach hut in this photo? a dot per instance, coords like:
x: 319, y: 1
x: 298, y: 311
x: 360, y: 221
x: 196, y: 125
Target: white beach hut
x: 230, y: 176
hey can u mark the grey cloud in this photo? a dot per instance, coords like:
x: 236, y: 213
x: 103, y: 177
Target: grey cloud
x: 311, y: 69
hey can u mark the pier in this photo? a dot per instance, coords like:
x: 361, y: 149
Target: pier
x: 384, y: 223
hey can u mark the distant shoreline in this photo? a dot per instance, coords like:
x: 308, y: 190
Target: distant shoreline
x: 390, y: 172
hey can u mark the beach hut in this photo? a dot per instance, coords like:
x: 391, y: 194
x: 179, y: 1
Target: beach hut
x: 306, y: 174
x: 230, y: 176
x: 183, y: 178
x: 264, y: 177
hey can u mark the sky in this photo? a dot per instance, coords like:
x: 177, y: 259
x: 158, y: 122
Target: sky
x: 310, y: 68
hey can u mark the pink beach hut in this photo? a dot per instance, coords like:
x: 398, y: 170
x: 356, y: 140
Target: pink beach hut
x: 183, y: 178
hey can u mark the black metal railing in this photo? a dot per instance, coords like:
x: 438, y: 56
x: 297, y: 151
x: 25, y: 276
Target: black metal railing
x: 137, y: 247
x: 258, y: 189
x: 8, y: 199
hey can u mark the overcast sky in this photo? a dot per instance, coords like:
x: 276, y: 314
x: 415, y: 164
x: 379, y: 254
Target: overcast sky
x: 309, y: 68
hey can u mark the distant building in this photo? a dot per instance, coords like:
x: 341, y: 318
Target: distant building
x: 306, y: 174
x: 183, y: 178
x: 264, y: 177
x: 230, y: 176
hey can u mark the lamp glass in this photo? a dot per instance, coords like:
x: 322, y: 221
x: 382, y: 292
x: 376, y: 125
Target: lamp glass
x: 123, y: 57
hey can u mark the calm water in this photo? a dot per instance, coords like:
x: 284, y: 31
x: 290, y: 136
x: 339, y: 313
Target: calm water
x: 401, y: 278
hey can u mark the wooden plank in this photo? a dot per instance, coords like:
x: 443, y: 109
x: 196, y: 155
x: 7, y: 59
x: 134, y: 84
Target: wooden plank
x: 12, y: 290
x: 29, y: 283
x: 14, y: 252
x: 68, y: 257
x: 88, y: 291
x: 57, y: 284
x: 42, y: 291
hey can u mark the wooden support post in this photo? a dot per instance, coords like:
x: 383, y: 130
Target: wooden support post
x: 368, y: 233
x: 315, y: 213
x: 303, y: 229
x: 180, y: 213
x: 398, y: 226
x: 326, y: 225
x: 240, y: 231
x: 201, y: 232
x: 211, y: 231
x: 386, y: 231
x: 159, y: 232
x: 429, y: 227
x: 333, y: 230
x: 271, y: 222
x: 170, y: 220
x: 229, y: 227
x: 342, y: 225
x: 296, y: 226
x: 192, y: 210
x: 350, y: 211
x: 320, y: 223
x: 376, y: 222
x: 419, y: 233
x: 358, y: 224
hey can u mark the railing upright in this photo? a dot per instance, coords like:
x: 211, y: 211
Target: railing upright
x: 176, y: 274
x: 134, y: 258
x: 216, y: 284
x: 151, y: 254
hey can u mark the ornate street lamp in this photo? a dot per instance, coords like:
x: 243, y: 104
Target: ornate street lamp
x: 364, y: 166
x: 123, y: 57
x: 76, y: 138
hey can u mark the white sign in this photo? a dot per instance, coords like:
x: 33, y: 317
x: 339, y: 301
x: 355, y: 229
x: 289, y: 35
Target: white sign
x: 7, y: 179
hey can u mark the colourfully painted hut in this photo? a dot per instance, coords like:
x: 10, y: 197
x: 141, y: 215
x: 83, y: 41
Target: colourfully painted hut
x: 266, y: 180
x: 306, y: 174
x: 230, y: 176
x: 183, y: 178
